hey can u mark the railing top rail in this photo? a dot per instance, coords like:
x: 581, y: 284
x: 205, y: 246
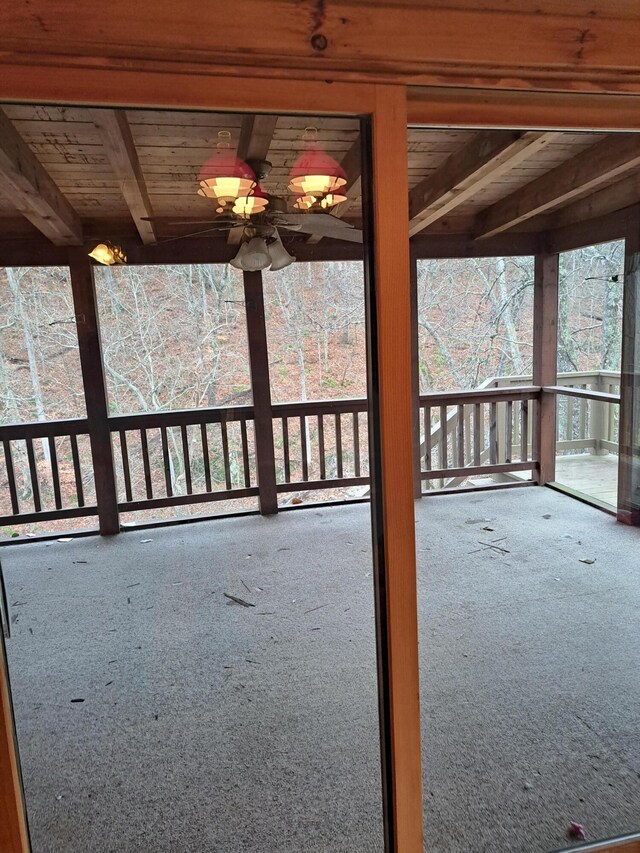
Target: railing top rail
x: 320, y: 407
x: 482, y: 395
x: 563, y: 391
x: 43, y: 429
x: 180, y: 417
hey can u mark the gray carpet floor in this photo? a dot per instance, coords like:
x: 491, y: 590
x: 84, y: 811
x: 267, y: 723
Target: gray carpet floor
x: 206, y: 725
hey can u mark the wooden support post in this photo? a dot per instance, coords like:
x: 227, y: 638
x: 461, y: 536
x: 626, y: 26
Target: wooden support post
x: 385, y: 176
x: 415, y: 374
x: 95, y: 391
x: 261, y: 388
x: 14, y: 835
x: 545, y: 360
x: 629, y: 451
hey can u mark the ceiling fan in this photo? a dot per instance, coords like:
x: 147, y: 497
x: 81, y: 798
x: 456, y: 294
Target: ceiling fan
x: 316, y: 182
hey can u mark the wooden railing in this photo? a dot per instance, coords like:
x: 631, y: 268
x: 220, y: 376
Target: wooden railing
x: 36, y: 458
x: 165, y: 459
x: 321, y: 444
x: 176, y: 458
x: 587, y: 411
x: 476, y: 433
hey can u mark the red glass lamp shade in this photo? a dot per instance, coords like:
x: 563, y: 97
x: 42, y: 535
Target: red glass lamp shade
x: 248, y: 205
x: 225, y: 178
x: 315, y: 173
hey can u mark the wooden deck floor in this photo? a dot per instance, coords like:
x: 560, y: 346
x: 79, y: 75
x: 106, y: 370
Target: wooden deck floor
x: 594, y: 476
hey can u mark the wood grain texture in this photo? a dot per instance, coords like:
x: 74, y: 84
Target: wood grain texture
x: 599, y: 164
x: 31, y: 189
x: 13, y: 823
x: 391, y: 41
x: 122, y: 153
x: 487, y: 156
x: 545, y: 343
x: 393, y: 322
x: 439, y: 106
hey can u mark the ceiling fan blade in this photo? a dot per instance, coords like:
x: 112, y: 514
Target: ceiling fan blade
x: 309, y: 225
x: 185, y: 236
x: 318, y: 219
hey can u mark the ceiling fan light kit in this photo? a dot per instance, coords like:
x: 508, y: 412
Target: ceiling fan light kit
x: 249, y: 205
x: 225, y: 177
x: 316, y: 175
x: 261, y: 253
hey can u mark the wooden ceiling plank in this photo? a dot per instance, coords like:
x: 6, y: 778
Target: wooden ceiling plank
x: 27, y: 184
x: 122, y: 153
x: 256, y: 134
x: 612, y: 157
x: 486, y: 157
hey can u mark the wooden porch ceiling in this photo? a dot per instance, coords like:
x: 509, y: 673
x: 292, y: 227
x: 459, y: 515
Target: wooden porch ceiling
x: 70, y: 175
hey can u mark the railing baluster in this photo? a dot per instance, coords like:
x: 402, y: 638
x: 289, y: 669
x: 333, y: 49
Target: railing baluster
x: 144, y: 445
x: 204, y: 440
x: 245, y: 453
x: 568, y: 426
x: 427, y: 439
x: 55, y: 474
x: 125, y: 464
x: 508, y: 428
x: 285, y: 450
x: 323, y: 466
x: 167, y: 462
x: 33, y: 470
x: 225, y: 453
x: 11, y: 476
x: 477, y: 433
x: 303, y: 447
x: 583, y: 417
x: 493, y: 434
x: 524, y: 431
x: 339, y: 463
x: 467, y: 433
x: 356, y: 445
x: 460, y: 438
x: 77, y: 471
x: 185, y: 455
x: 443, y: 438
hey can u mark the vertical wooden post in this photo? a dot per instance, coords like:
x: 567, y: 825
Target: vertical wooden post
x: 545, y: 361
x: 95, y: 391
x: 415, y: 373
x: 629, y: 449
x: 14, y: 835
x: 261, y: 388
x: 385, y: 180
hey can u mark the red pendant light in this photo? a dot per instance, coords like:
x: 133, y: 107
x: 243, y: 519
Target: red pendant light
x: 225, y: 177
x: 316, y: 174
x: 249, y: 205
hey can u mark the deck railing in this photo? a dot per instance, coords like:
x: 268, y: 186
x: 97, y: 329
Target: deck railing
x: 166, y: 459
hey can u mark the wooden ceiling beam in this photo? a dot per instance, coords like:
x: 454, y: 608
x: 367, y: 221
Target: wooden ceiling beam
x: 611, y: 158
x: 256, y: 133
x: 123, y: 156
x: 615, y: 197
x: 30, y: 188
x: 487, y: 156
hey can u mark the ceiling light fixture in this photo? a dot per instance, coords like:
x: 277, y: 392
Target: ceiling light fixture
x: 108, y: 254
x: 315, y: 174
x: 225, y: 177
x: 260, y: 253
x: 249, y: 205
